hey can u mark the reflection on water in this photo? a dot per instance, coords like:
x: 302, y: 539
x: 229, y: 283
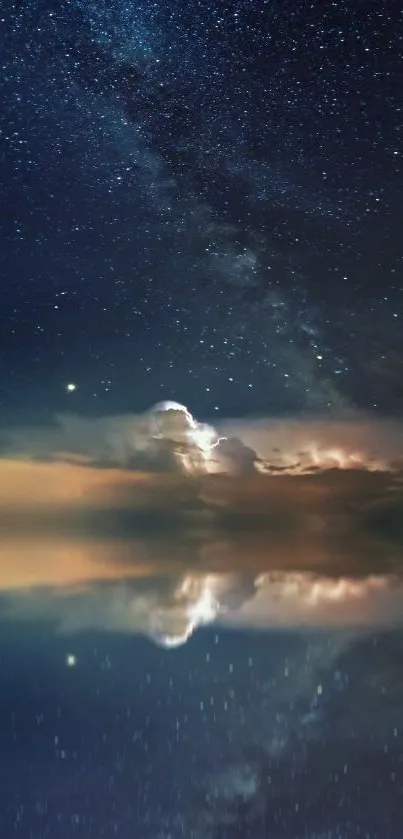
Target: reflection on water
x: 232, y: 734
x: 201, y: 656
x: 166, y: 588
x: 210, y: 731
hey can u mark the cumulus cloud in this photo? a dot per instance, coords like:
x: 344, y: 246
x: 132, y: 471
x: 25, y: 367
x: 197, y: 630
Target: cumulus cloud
x: 165, y: 523
x: 234, y: 457
x: 164, y: 437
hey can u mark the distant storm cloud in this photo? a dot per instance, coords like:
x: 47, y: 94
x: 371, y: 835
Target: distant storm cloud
x: 351, y: 440
x: 159, y: 524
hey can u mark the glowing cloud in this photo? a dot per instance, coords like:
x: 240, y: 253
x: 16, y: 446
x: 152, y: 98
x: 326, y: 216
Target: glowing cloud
x: 159, y: 524
x: 194, y: 442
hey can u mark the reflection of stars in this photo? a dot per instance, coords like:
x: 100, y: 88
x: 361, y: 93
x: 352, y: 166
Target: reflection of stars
x: 71, y: 660
x: 71, y: 387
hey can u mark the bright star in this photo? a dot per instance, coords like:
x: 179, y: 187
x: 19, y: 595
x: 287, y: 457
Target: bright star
x: 71, y: 387
x: 71, y: 660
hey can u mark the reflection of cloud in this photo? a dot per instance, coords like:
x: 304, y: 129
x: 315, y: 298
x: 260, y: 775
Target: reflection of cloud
x: 308, y: 600
x: 266, y: 533
x: 167, y: 610
x: 194, y: 603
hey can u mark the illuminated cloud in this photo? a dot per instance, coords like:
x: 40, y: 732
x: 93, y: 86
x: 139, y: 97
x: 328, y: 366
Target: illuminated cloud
x: 169, y: 437
x: 191, y: 442
x: 232, y: 456
x: 350, y: 441
x: 159, y: 524
x: 166, y: 438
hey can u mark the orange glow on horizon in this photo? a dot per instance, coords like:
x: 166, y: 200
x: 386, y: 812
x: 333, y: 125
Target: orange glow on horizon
x: 26, y: 563
x: 26, y: 483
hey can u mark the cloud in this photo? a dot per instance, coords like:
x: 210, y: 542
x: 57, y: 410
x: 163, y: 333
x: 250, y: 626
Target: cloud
x: 166, y: 438
x: 234, y: 457
x: 349, y: 440
x: 352, y: 440
x: 158, y: 523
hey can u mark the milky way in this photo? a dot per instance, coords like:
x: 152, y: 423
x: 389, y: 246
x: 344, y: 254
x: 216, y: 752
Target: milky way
x: 201, y: 200
x: 201, y: 606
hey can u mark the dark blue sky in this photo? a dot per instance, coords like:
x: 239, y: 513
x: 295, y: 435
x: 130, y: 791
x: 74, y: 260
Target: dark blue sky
x: 201, y: 202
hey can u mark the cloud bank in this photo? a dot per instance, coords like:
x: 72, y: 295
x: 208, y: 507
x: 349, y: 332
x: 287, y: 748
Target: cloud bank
x: 158, y: 523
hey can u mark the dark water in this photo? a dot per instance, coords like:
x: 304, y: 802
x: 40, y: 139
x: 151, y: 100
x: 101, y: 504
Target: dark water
x: 233, y: 734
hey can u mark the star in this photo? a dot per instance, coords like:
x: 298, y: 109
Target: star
x: 71, y: 387
x: 71, y: 660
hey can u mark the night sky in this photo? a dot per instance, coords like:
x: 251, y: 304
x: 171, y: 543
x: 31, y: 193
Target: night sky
x: 201, y: 445
x: 201, y: 202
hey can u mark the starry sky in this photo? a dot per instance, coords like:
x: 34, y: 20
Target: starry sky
x: 201, y: 602
x: 201, y: 202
